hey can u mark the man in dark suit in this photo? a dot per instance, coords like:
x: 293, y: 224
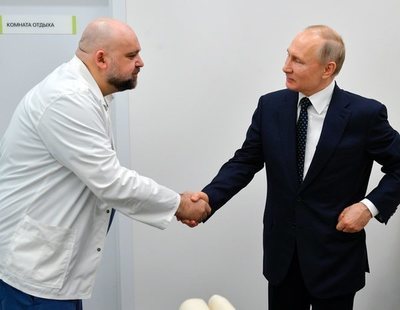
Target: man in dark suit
x: 317, y: 207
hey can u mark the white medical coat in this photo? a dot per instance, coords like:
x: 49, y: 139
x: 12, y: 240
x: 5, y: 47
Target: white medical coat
x: 59, y: 179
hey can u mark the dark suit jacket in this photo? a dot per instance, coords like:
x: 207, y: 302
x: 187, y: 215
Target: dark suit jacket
x: 355, y: 133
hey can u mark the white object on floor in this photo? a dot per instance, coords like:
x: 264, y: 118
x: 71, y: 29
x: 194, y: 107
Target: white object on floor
x: 217, y: 302
x: 194, y: 304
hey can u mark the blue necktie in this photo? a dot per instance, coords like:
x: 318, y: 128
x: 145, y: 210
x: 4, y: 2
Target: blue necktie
x: 301, y: 135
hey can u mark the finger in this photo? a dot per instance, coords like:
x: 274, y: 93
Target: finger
x: 195, y: 197
x: 199, y: 195
x: 204, y: 196
x: 190, y: 223
x: 340, y: 226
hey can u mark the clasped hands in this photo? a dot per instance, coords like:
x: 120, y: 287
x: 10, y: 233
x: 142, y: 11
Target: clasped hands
x: 193, y: 208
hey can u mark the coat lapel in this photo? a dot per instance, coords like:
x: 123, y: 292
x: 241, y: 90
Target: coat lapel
x: 334, y: 125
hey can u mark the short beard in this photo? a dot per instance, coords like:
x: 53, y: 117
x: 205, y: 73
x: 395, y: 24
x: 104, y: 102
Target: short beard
x: 122, y: 85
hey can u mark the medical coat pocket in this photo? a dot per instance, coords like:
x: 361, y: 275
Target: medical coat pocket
x: 40, y: 254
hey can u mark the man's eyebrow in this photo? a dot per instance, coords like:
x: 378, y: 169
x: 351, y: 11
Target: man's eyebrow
x: 133, y: 53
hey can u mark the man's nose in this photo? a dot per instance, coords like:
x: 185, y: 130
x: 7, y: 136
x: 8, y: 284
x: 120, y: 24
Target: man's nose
x: 286, y: 67
x: 139, y: 62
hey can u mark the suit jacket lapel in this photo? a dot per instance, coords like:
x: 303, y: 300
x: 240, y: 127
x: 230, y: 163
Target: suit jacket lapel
x: 334, y: 125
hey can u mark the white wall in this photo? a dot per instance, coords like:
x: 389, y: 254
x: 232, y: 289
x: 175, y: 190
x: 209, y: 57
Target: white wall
x: 206, y: 64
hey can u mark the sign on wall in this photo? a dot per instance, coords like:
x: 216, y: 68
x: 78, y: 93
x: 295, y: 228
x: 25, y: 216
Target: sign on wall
x: 37, y: 24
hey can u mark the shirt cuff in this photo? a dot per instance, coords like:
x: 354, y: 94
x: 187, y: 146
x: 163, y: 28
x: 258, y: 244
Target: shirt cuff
x: 374, y: 211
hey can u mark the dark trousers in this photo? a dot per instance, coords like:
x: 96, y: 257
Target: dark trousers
x: 292, y: 294
x: 13, y: 299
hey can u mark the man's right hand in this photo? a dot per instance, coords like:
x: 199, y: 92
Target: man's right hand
x: 192, y: 211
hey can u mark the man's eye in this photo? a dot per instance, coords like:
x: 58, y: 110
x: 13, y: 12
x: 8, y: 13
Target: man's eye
x: 132, y: 56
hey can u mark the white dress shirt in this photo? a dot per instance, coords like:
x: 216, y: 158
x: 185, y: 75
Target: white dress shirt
x: 316, y: 116
x: 59, y: 178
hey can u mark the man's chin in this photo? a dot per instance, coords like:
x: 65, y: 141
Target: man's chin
x: 128, y: 85
x: 291, y: 86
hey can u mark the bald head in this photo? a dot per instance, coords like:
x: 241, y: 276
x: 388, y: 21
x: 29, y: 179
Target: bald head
x: 110, y: 50
x: 104, y: 33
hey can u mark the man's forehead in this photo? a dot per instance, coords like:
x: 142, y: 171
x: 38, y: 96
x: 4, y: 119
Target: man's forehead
x: 303, y: 43
x: 129, y: 43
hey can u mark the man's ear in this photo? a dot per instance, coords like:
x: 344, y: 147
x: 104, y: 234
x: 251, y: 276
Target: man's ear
x: 329, y: 69
x: 100, y: 59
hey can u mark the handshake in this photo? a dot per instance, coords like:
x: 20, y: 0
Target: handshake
x: 193, y: 208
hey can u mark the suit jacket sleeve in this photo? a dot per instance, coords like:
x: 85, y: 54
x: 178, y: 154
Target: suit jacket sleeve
x: 384, y: 148
x: 237, y: 172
